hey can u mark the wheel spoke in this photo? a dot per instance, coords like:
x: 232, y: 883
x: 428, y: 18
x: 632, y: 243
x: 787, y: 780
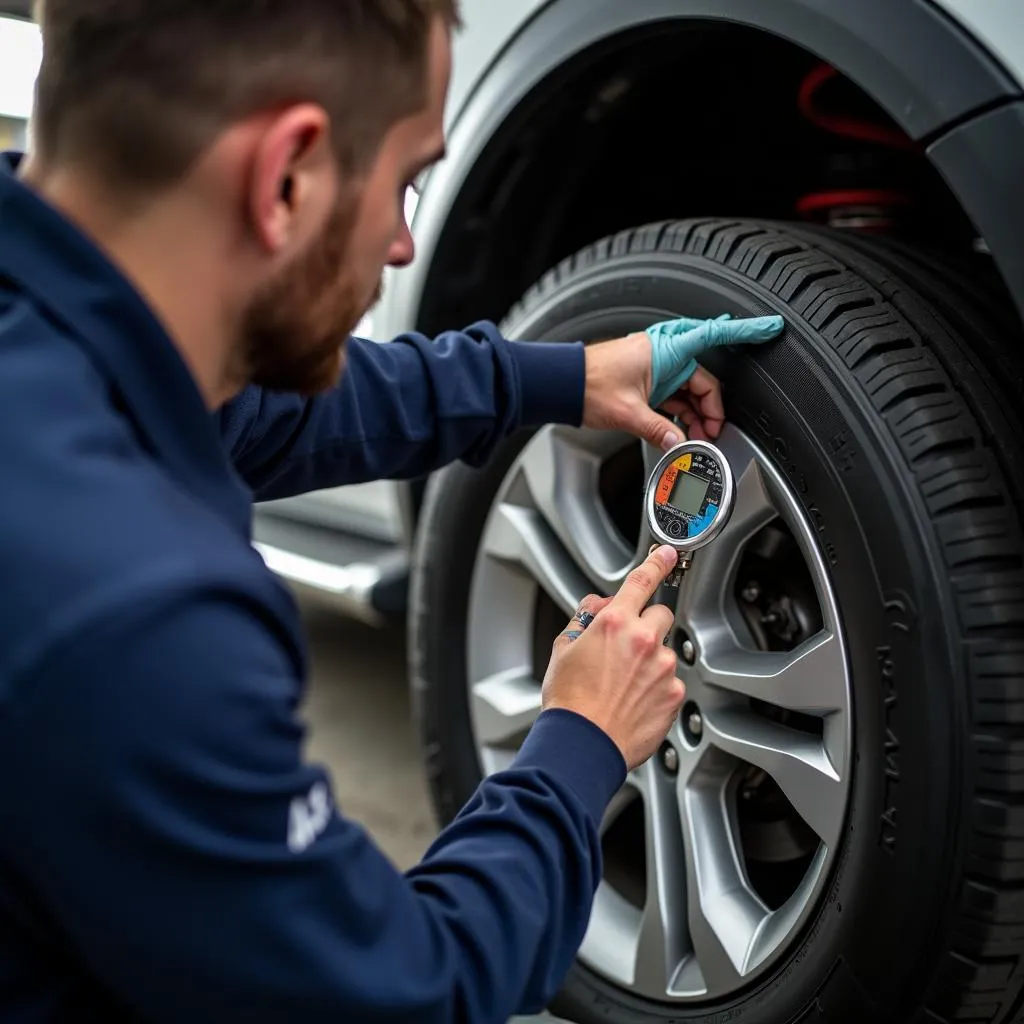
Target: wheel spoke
x: 519, y: 537
x: 662, y: 938
x: 810, y: 678
x: 561, y: 469
x: 796, y: 761
x: 504, y: 706
x: 651, y: 455
x: 724, y: 914
x: 690, y: 927
x: 703, y: 590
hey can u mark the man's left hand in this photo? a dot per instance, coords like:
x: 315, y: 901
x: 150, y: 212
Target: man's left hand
x: 658, y: 367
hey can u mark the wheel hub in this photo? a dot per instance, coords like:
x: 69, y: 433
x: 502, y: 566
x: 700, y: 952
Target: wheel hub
x: 717, y: 849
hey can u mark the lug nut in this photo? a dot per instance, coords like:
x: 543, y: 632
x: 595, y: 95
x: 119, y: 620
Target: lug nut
x: 750, y: 593
x: 670, y: 759
x: 688, y: 652
x: 692, y: 723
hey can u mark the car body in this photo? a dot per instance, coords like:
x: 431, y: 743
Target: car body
x: 570, y: 123
x: 949, y: 71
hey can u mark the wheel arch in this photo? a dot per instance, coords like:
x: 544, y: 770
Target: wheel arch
x: 934, y: 80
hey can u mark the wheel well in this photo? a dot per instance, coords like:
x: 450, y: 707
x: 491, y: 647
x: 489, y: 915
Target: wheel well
x: 679, y: 119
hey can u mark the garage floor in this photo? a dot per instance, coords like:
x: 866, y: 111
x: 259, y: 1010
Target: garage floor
x: 361, y: 729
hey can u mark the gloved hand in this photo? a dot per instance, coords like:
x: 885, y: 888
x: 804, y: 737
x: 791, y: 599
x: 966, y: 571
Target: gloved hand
x: 627, y: 376
x: 676, y: 344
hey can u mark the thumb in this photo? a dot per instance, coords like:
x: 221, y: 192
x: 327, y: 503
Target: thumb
x: 653, y: 428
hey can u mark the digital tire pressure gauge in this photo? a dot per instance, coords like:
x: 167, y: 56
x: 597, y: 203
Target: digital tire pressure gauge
x: 688, y: 500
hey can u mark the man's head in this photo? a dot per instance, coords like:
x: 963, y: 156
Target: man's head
x: 297, y: 124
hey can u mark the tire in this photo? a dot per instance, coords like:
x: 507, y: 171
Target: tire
x: 893, y: 406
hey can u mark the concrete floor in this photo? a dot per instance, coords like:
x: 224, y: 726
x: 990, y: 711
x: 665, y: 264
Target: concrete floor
x: 360, y: 727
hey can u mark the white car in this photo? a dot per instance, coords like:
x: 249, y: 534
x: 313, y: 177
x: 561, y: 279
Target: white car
x: 834, y: 831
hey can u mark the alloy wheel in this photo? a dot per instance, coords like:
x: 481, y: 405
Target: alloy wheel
x: 718, y: 848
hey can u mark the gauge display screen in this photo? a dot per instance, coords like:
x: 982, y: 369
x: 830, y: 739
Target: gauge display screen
x: 689, y: 493
x: 687, y: 497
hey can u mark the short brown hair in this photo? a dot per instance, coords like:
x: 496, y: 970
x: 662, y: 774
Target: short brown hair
x: 137, y: 89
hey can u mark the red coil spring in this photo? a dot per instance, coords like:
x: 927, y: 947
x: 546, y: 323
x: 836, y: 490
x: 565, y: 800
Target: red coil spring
x: 841, y: 125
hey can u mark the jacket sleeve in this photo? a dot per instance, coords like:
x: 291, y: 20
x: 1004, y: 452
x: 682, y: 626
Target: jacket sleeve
x: 403, y: 409
x: 213, y: 878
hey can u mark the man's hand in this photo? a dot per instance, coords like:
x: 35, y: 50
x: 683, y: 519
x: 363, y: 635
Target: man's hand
x: 658, y: 367
x: 618, y: 673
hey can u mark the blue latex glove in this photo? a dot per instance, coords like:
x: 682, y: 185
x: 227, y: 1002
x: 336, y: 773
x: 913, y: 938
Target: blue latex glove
x: 676, y: 345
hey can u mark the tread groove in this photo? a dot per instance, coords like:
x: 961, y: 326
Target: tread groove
x: 927, y: 352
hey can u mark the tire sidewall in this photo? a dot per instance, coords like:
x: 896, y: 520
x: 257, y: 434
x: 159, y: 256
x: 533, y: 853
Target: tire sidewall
x: 797, y: 402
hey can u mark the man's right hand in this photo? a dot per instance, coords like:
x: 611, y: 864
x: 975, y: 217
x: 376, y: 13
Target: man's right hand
x: 618, y: 673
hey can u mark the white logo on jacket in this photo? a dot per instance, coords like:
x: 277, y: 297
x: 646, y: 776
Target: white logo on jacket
x: 308, y: 817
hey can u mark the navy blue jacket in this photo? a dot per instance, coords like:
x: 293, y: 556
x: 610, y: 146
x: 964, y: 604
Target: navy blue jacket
x: 166, y: 854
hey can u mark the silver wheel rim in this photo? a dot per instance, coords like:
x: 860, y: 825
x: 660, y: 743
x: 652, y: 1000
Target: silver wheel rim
x: 700, y: 929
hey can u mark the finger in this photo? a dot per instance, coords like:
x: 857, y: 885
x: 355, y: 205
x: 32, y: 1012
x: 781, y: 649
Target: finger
x: 707, y: 389
x: 715, y: 333
x: 670, y: 328
x: 683, y: 409
x: 592, y: 603
x: 643, y: 582
x: 753, y: 330
x: 660, y: 618
x: 696, y: 431
x: 702, y: 414
x: 711, y: 429
x: 584, y: 615
x: 689, y: 323
x: 676, y: 405
x: 588, y: 610
x: 688, y: 414
x: 683, y: 404
x: 705, y: 394
x: 678, y: 700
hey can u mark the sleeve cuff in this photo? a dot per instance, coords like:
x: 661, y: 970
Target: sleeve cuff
x: 578, y: 753
x: 552, y: 378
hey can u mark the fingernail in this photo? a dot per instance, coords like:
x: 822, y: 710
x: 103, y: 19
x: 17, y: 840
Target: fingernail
x: 670, y: 440
x: 668, y: 555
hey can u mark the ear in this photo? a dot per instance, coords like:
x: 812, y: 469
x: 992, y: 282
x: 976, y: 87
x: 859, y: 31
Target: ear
x: 293, y: 183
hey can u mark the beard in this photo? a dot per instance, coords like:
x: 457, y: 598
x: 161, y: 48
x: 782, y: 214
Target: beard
x: 295, y: 328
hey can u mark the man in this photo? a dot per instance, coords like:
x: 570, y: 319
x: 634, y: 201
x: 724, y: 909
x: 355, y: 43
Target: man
x: 214, y: 190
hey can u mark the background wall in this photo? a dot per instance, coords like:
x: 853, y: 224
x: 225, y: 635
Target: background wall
x: 20, y: 53
x: 13, y: 132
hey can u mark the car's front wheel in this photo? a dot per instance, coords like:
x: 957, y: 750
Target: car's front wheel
x: 834, y: 826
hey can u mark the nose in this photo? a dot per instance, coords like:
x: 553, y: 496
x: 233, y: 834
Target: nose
x: 403, y: 248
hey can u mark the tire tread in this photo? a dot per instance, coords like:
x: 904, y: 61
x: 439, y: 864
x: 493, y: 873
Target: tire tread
x: 946, y: 411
